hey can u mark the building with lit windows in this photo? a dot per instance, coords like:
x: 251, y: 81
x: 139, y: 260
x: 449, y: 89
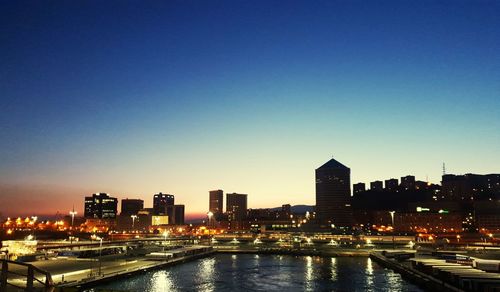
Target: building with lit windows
x: 100, y: 206
x: 161, y: 202
x: 215, y: 203
x: 236, y: 209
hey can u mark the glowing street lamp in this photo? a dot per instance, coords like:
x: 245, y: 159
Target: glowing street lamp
x: 165, y: 234
x: 72, y: 213
x: 210, y: 215
x: 393, y: 229
x: 34, y: 218
x: 133, y: 220
x: 100, y: 252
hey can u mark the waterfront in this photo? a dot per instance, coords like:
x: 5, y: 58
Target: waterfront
x: 251, y: 272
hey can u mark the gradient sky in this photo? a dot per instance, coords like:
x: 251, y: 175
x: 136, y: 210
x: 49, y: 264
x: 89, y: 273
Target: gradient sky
x: 137, y: 97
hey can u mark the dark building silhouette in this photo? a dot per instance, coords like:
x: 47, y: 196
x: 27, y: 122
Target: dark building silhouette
x: 333, y: 194
x: 161, y: 202
x: 215, y: 203
x: 131, y: 206
x: 359, y: 187
x: 421, y: 185
x: 286, y: 211
x: 376, y: 185
x: 471, y: 187
x: 100, y: 206
x: 178, y: 215
x: 408, y: 182
x: 236, y: 209
x: 391, y: 184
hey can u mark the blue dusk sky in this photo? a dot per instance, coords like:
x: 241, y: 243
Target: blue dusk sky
x: 182, y: 97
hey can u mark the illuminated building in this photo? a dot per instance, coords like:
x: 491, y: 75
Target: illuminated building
x: 160, y: 203
x: 215, y: 203
x: 333, y: 194
x: 157, y: 220
x: 427, y: 221
x: 487, y: 215
x: 100, y: 206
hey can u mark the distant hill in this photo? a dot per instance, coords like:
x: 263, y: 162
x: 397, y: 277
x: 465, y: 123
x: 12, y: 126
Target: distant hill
x: 298, y: 209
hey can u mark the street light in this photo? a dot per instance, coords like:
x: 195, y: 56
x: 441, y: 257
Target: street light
x: 210, y: 215
x: 393, y: 229
x: 34, y: 224
x: 133, y: 220
x: 165, y: 234
x: 100, y: 252
x: 72, y: 213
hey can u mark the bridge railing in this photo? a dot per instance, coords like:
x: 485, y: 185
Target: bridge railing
x: 17, y: 275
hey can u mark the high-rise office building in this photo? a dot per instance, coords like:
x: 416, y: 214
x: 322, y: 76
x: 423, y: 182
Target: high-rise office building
x: 178, y: 215
x: 131, y: 206
x: 160, y: 203
x: 236, y: 206
x: 215, y: 202
x: 333, y: 194
x: 100, y: 206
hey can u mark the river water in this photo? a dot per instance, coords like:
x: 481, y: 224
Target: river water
x: 248, y: 272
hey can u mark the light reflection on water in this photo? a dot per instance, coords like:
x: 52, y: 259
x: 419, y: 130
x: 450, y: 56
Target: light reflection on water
x: 245, y: 272
x: 369, y: 274
x: 309, y: 273
x: 334, y: 269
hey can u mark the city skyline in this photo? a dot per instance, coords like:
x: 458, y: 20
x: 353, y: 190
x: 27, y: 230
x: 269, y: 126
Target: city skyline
x: 184, y: 98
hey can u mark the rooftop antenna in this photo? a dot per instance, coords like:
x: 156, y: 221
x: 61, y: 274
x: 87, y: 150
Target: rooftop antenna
x: 444, y: 169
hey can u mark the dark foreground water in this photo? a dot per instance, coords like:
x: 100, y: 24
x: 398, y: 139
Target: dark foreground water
x: 245, y: 272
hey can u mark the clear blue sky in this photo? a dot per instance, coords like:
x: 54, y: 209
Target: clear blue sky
x: 136, y: 97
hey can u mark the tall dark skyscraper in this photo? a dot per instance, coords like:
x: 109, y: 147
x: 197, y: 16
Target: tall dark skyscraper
x: 333, y: 194
x: 178, y: 214
x: 161, y: 202
x: 100, y: 206
x: 215, y: 202
x: 236, y: 206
